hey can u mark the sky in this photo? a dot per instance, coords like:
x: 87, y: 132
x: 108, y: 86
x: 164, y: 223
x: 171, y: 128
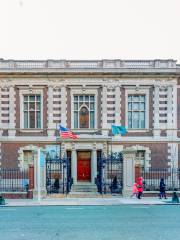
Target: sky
x: 90, y: 29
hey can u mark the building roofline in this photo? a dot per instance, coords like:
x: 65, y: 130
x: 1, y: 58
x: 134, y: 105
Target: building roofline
x: 93, y: 66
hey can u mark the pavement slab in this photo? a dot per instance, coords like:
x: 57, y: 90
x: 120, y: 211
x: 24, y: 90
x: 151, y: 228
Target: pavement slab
x: 86, y: 201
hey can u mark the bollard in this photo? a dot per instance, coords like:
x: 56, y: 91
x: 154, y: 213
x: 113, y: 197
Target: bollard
x: 2, y: 200
x: 175, y: 198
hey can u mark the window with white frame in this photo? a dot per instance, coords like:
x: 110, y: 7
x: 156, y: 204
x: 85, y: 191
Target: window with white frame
x: 32, y: 111
x: 84, y: 111
x: 28, y: 158
x: 136, y: 111
x: 140, y: 158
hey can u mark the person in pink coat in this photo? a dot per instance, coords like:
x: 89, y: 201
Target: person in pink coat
x: 134, y: 190
x: 140, y: 187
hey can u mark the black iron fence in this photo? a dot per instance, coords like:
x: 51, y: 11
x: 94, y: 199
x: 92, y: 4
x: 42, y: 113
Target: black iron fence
x: 110, y: 174
x: 152, y: 177
x: 58, y: 178
x: 14, y: 180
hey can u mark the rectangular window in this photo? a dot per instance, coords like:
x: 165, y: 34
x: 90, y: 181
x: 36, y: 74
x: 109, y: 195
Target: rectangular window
x: 136, y: 111
x: 32, y: 111
x: 140, y: 158
x: 84, y: 111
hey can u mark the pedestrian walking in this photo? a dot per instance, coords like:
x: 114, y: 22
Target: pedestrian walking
x: 140, y: 187
x: 162, y: 189
x: 134, y: 190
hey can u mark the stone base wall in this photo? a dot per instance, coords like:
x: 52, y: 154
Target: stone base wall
x: 17, y: 195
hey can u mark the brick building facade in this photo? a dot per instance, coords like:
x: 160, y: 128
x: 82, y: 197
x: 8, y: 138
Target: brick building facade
x: 88, y: 97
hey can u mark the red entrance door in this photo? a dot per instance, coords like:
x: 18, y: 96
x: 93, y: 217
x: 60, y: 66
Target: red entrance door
x: 84, y: 166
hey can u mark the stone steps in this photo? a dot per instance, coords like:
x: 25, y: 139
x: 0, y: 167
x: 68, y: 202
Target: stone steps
x: 84, y: 195
x: 84, y: 188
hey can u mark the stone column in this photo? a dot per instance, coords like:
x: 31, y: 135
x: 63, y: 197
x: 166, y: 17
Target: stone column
x: 74, y: 165
x: 93, y: 165
x: 31, y: 181
x: 63, y: 106
x: 42, y: 176
x: 117, y: 106
x: 128, y: 171
x: 157, y: 130
x: 11, y: 130
x: 170, y: 112
x: 50, y: 112
x: 105, y: 149
x: 104, y: 111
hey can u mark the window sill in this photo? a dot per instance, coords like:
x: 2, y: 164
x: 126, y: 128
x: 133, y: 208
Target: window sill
x: 137, y: 130
x: 31, y: 130
x: 80, y: 130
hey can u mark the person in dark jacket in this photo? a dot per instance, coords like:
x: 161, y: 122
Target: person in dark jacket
x: 56, y: 185
x: 162, y: 189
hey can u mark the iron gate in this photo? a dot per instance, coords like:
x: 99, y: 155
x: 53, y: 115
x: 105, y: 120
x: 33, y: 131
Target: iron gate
x: 58, y: 179
x: 110, y: 174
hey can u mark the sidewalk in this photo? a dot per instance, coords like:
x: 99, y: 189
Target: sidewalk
x: 86, y: 201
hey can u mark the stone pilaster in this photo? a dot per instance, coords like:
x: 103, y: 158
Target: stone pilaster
x: 174, y: 98
x: 105, y: 149
x: 0, y: 155
x: 170, y: 112
x: 63, y: 106
x: 117, y: 106
x: 11, y: 130
x: 42, y: 172
x: 63, y: 150
x: 104, y: 111
x: 94, y: 164
x: 156, y: 112
x: 74, y: 165
x: 51, y: 126
x: 128, y: 171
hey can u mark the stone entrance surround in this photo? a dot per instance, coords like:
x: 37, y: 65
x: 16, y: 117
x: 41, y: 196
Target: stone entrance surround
x: 128, y: 167
x: 75, y: 147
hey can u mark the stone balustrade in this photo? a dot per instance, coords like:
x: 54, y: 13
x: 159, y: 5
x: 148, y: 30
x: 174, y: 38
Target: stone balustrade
x: 88, y: 64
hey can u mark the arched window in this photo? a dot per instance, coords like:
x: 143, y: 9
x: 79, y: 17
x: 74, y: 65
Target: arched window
x: 84, y: 118
x: 84, y: 111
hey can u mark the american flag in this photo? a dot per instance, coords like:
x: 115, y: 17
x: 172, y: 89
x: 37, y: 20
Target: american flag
x: 66, y: 133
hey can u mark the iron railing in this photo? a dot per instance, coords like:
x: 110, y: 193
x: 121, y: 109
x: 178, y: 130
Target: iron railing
x: 110, y: 174
x: 58, y: 178
x: 14, y: 180
x: 152, y: 177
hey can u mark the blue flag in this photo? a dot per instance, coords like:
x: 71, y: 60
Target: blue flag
x: 118, y: 130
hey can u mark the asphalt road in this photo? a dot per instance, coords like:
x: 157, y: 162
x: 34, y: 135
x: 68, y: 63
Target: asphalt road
x: 126, y: 222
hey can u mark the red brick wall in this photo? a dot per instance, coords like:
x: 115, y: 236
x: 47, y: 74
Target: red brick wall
x: 159, y: 153
x: 9, y: 153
